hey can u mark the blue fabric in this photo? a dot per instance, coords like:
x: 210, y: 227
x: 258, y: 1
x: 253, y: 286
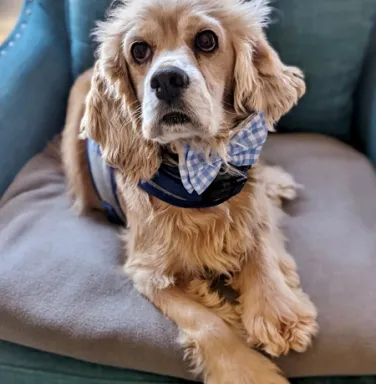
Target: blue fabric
x: 365, y: 118
x: 34, y: 83
x: 81, y: 16
x: 22, y: 365
x: 184, y: 185
x: 100, y: 172
x: 166, y: 185
x: 197, y: 172
x: 328, y: 39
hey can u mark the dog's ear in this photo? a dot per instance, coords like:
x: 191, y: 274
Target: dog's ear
x: 263, y: 82
x: 111, y: 118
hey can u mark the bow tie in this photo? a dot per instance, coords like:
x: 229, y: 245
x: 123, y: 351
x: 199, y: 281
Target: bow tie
x: 197, y: 171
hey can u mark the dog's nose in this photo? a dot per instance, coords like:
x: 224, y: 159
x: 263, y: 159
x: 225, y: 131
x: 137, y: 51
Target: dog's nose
x: 169, y: 82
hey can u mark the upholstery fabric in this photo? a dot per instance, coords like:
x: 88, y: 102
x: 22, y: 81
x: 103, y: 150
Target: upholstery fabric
x: 81, y: 17
x: 365, y: 98
x: 34, y: 84
x: 21, y: 365
x: 328, y: 39
x: 62, y: 289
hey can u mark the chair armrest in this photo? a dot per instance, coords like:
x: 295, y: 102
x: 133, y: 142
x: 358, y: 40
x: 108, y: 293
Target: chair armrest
x: 35, y: 79
x: 365, y: 99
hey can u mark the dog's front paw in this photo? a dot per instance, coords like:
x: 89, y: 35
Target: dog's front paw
x: 279, y: 184
x: 299, y: 335
x: 296, y: 77
x: 281, y: 324
x: 244, y: 366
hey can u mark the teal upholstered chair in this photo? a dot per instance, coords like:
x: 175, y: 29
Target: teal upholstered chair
x: 50, y: 46
x: 333, y: 41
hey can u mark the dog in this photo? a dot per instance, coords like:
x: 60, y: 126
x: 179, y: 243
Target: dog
x: 175, y: 74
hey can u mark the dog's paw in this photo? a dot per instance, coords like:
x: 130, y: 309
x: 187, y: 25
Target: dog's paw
x: 296, y: 76
x: 279, y: 184
x: 281, y: 325
x: 300, y: 334
x: 244, y: 366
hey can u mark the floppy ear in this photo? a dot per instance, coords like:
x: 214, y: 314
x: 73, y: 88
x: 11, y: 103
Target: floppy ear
x: 263, y: 82
x: 111, y: 117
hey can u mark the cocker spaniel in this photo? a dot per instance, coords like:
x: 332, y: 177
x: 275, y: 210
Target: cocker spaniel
x: 176, y: 86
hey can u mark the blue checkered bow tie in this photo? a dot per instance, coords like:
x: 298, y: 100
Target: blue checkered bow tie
x: 197, y: 172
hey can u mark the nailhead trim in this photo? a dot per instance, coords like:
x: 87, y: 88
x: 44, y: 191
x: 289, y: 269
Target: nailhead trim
x: 18, y: 35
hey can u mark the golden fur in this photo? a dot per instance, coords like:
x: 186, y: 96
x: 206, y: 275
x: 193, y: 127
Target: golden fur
x: 173, y: 254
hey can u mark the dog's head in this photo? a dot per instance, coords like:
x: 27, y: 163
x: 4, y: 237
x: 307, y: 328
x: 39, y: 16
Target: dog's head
x: 171, y: 71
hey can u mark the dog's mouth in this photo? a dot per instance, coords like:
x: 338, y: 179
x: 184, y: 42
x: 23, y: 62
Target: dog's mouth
x: 175, y: 118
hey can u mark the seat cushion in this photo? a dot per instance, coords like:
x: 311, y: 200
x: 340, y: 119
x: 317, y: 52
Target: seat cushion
x: 62, y: 289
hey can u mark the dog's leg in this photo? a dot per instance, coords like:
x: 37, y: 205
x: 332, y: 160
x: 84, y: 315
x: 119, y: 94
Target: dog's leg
x: 277, y: 315
x: 213, y: 348
x: 279, y: 186
x: 285, y: 261
x: 201, y: 291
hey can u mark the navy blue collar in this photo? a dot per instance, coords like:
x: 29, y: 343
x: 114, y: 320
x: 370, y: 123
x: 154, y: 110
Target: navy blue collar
x: 166, y: 185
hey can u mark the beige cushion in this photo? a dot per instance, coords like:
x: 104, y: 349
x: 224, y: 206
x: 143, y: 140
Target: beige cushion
x: 62, y: 289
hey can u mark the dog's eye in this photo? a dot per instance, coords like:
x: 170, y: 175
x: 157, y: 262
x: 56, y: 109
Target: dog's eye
x: 206, y: 41
x: 141, y: 52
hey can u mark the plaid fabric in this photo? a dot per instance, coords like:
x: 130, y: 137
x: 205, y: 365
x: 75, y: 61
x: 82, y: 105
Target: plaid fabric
x: 197, y: 172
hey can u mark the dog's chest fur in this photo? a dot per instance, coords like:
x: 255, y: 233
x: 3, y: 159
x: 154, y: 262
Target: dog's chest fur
x: 173, y: 241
